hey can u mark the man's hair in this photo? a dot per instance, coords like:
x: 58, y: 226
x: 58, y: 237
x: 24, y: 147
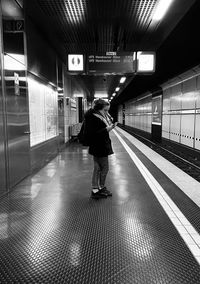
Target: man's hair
x: 99, y: 104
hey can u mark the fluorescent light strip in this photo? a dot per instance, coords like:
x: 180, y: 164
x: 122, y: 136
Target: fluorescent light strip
x: 183, y: 226
x: 161, y: 9
x: 69, y: 14
x: 75, y: 10
x: 122, y: 80
x: 81, y: 5
x: 156, y: 123
x: 100, y: 95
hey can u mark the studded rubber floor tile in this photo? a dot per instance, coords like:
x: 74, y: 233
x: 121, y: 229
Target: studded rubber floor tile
x: 52, y: 232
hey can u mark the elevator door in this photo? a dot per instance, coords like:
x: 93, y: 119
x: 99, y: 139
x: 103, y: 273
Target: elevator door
x: 16, y: 99
x: 2, y: 146
x: 17, y: 114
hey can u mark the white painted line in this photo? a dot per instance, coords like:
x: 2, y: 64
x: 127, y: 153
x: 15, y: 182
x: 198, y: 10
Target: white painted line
x: 186, y: 183
x: 188, y: 233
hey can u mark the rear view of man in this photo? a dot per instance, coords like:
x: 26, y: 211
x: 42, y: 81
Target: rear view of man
x: 97, y: 128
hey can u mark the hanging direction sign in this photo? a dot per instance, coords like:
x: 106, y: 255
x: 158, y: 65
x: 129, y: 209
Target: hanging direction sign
x: 111, y: 63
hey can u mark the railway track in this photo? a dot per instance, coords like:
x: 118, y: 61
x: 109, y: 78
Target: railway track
x: 188, y: 164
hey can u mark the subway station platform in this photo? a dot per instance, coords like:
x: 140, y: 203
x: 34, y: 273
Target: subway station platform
x: 51, y: 231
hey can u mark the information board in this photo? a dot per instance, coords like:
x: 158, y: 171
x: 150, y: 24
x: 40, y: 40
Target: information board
x: 111, y: 63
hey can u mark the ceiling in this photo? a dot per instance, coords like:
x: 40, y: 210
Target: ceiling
x: 90, y: 26
x: 177, y: 54
x: 93, y: 26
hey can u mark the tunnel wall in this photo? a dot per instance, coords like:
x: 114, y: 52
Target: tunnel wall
x: 180, y: 110
x: 138, y: 113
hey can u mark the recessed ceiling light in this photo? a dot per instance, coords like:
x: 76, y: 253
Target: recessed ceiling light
x: 122, y: 80
x: 117, y: 89
x: 100, y: 95
x: 74, y: 11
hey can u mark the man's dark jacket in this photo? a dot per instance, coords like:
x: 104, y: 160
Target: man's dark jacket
x: 97, y: 135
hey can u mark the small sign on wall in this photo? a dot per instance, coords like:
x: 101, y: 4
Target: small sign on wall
x: 16, y: 81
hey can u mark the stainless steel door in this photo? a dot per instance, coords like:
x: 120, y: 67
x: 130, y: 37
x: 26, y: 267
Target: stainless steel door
x: 2, y: 148
x: 2, y: 124
x: 17, y: 125
x: 15, y: 77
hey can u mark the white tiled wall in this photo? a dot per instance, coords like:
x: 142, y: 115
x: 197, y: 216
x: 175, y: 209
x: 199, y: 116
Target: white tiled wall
x: 166, y: 116
x: 187, y: 130
x: 197, y: 132
x: 189, y: 94
x: 175, y: 127
x: 166, y: 126
x: 175, y: 98
x: 180, y: 103
x: 139, y: 114
x: 181, y: 112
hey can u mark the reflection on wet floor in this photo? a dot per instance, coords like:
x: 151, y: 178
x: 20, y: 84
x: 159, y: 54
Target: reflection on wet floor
x: 52, y: 232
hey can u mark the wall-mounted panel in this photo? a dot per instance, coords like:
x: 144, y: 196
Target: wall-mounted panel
x: 176, y: 97
x: 166, y: 126
x: 187, y: 130
x: 198, y: 92
x: 166, y: 100
x: 197, y: 132
x: 198, y: 97
x: 17, y: 118
x: 175, y: 128
x: 16, y: 98
x: 189, y: 91
x: 2, y: 145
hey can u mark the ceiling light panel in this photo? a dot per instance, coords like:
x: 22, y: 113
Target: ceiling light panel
x: 122, y: 80
x: 74, y: 10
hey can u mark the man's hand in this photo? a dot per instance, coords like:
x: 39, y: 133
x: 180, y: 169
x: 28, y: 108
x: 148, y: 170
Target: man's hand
x: 109, y: 128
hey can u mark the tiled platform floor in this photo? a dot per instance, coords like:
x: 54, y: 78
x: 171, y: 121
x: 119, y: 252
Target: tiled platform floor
x: 52, y: 232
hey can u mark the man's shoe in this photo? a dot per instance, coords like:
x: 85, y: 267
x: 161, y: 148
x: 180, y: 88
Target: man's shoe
x: 106, y: 191
x: 98, y: 194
